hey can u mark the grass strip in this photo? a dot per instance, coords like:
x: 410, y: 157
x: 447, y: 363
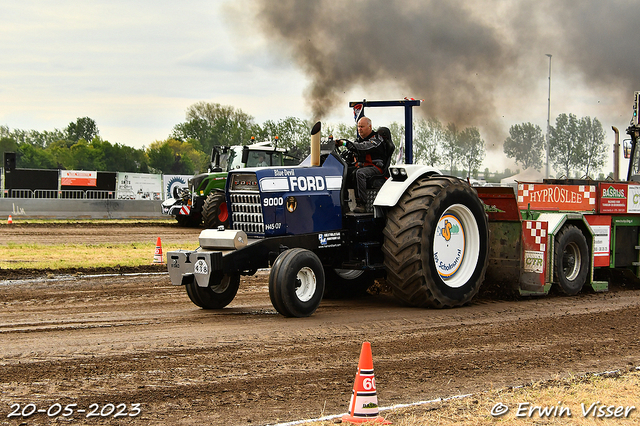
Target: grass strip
x: 60, y: 256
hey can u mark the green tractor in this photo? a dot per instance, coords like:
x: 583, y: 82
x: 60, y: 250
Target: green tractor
x: 203, y: 200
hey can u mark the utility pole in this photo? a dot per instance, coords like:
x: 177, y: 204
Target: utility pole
x: 548, y: 116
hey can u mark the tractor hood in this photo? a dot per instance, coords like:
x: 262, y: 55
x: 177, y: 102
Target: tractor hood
x: 286, y: 200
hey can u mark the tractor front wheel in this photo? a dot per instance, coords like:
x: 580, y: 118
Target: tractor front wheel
x: 221, y: 291
x: 296, y: 283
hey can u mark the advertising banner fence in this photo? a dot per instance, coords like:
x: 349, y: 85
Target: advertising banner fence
x: 139, y: 186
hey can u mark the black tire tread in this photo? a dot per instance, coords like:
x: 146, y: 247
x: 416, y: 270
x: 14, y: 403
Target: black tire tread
x: 568, y: 233
x: 279, y: 286
x: 206, y: 298
x: 193, y: 296
x: 408, y: 277
x: 210, y: 210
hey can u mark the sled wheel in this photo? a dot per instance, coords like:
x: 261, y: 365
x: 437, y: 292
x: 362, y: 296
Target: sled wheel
x: 571, y: 260
x: 346, y: 283
x: 436, y: 243
x: 296, y: 283
x: 214, y: 211
x: 221, y: 291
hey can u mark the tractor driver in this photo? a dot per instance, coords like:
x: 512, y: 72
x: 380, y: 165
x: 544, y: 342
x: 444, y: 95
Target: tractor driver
x: 261, y: 162
x: 369, y: 158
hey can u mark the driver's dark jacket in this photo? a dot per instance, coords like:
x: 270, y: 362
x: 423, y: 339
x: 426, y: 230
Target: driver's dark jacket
x: 369, y: 151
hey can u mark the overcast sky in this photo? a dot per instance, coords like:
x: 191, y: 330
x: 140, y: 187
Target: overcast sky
x: 136, y: 66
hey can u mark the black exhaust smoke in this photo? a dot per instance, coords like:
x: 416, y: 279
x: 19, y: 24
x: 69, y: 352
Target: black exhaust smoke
x: 472, y: 62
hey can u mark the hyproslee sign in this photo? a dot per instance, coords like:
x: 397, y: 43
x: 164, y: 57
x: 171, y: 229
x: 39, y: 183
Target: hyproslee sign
x: 557, y: 197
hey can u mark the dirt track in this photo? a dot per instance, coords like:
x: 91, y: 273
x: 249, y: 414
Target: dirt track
x: 137, y: 339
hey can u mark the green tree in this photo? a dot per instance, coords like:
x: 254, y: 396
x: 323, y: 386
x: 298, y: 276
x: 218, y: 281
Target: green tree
x: 564, y: 144
x: 429, y: 136
x: 160, y: 157
x: 85, y: 156
x: 451, y: 149
x: 525, y: 144
x: 293, y: 134
x: 120, y: 158
x: 397, y: 136
x: 33, y: 137
x: 592, y: 144
x: 44, y: 138
x: 340, y: 131
x: 61, y: 153
x: 175, y: 157
x: 7, y: 144
x: 33, y: 157
x: 472, y: 149
x: 214, y: 124
x: 487, y: 174
x: 84, y: 128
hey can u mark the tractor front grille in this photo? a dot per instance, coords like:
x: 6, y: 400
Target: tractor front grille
x: 246, y: 212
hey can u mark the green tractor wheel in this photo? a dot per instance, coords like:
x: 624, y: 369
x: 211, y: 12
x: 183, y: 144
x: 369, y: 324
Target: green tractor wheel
x: 214, y: 211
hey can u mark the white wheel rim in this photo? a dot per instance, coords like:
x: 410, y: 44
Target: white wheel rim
x: 571, y: 261
x: 456, y: 245
x: 305, y: 284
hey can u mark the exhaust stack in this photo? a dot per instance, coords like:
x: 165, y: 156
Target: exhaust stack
x: 315, y: 144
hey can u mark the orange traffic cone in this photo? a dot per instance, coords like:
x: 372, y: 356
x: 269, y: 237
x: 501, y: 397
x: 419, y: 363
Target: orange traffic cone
x: 158, y: 258
x: 363, y: 407
x: 10, y: 220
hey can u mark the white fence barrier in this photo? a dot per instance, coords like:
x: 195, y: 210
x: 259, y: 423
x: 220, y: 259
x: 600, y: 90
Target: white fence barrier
x: 67, y: 194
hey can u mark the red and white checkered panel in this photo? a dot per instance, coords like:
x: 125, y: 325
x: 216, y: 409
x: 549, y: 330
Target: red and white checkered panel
x: 535, y: 235
x: 523, y: 191
x: 589, y: 193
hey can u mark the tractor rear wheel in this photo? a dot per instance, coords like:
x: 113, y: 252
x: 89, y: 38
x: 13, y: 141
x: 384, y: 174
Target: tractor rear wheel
x: 436, y: 243
x: 214, y: 210
x: 221, y: 291
x: 571, y: 260
x: 296, y: 283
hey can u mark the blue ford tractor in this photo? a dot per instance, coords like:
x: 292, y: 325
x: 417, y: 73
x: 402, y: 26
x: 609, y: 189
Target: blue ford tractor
x: 425, y: 233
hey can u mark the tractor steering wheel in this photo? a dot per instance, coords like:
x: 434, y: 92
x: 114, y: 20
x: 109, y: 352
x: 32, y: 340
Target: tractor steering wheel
x: 346, y: 155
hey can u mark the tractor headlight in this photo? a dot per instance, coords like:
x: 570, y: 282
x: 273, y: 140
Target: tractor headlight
x: 398, y: 173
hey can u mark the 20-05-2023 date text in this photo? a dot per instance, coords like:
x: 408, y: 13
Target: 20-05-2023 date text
x: 69, y: 410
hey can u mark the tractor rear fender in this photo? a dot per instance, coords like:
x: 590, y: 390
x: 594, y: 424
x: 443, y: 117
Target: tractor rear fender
x: 396, y: 185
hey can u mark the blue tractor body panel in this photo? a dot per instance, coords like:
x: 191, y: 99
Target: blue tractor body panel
x: 295, y: 200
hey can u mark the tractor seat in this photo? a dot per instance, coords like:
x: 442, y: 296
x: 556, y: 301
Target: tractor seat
x: 376, y: 182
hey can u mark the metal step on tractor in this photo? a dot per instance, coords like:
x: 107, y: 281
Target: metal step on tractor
x: 434, y: 238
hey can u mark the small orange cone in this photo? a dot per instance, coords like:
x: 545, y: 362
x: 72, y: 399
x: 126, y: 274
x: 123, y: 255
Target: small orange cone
x: 10, y: 220
x: 363, y: 407
x: 158, y: 258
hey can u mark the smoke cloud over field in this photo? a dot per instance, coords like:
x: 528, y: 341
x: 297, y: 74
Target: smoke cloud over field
x: 456, y: 55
